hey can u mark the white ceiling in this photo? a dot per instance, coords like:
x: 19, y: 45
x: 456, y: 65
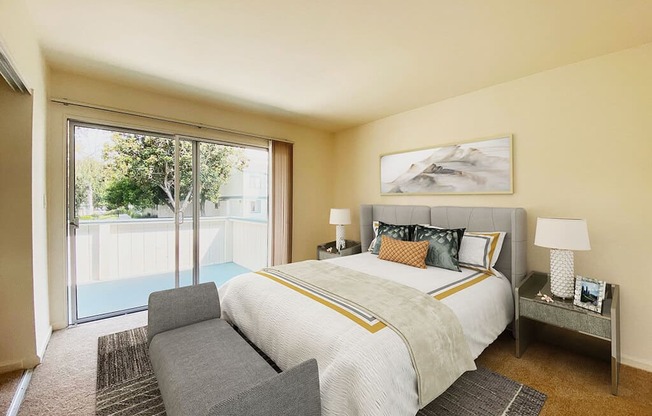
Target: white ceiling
x: 330, y: 64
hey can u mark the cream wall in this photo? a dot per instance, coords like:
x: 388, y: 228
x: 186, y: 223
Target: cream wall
x: 29, y: 290
x: 582, y: 148
x: 313, y: 149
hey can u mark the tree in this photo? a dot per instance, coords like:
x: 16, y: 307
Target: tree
x: 140, y: 171
x: 89, y: 183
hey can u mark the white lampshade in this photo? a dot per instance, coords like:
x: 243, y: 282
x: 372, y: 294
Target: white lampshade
x: 340, y: 216
x: 562, y: 233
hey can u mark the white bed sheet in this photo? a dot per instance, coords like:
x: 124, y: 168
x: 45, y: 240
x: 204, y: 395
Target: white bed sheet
x: 361, y: 373
x: 484, y: 309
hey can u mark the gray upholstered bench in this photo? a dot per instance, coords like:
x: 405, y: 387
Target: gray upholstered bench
x: 204, y: 367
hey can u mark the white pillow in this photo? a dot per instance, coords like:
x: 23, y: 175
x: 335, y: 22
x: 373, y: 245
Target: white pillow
x: 375, y: 225
x: 480, y: 250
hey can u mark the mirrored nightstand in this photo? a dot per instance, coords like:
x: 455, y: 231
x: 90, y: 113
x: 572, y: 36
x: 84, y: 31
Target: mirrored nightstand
x: 351, y: 247
x: 562, y: 313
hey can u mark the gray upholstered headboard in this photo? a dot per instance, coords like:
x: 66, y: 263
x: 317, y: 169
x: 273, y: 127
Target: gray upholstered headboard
x: 512, y: 261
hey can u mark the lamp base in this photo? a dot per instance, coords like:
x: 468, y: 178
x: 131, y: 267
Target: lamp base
x: 562, y: 273
x: 340, y: 241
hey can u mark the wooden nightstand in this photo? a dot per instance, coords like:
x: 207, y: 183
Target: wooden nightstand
x: 351, y: 247
x: 562, y: 313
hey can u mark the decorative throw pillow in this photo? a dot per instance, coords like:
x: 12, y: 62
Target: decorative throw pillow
x: 460, y: 232
x: 443, y: 245
x: 397, y: 232
x: 406, y: 252
x: 480, y: 250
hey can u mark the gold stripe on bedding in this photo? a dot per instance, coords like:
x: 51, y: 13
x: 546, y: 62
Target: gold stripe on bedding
x: 368, y: 322
x: 448, y: 290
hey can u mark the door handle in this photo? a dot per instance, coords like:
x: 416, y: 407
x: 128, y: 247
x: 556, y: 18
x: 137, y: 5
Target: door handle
x: 74, y: 222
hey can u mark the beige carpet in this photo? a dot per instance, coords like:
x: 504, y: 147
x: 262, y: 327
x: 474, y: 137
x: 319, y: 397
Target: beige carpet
x: 8, y: 385
x: 64, y: 384
x: 575, y: 383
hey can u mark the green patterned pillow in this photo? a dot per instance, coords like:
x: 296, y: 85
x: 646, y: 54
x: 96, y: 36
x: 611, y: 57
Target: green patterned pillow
x: 443, y: 250
x: 397, y: 232
x: 460, y: 233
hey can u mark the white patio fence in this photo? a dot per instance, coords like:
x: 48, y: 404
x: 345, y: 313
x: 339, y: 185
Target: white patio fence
x: 121, y: 249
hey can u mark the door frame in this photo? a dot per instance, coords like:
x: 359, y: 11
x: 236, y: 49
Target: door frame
x: 72, y: 222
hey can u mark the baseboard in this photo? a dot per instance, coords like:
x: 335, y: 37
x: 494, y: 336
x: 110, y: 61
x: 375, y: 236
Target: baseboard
x: 8, y: 367
x: 44, y: 347
x: 27, y: 362
x: 31, y: 361
x: 632, y: 362
x: 59, y: 325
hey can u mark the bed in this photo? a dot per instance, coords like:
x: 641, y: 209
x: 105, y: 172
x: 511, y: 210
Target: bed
x: 365, y: 367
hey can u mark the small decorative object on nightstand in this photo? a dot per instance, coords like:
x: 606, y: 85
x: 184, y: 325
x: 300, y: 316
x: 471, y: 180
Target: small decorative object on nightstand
x: 328, y: 250
x: 533, y: 303
x: 562, y: 235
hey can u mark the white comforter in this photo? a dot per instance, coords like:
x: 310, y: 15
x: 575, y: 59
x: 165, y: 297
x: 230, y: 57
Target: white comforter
x: 361, y: 372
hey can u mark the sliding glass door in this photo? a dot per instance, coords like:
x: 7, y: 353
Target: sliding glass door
x: 149, y: 212
x: 232, y: 211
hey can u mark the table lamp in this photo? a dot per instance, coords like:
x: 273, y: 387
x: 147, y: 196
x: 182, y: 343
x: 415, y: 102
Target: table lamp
x: 340, y: 217
x: 562, y: 236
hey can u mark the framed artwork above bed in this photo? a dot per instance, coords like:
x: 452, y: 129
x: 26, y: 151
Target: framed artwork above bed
x: 482, y: 166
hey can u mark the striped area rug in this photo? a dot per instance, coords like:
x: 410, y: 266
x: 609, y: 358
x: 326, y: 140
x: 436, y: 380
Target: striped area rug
x: 485, y: 393
x: 126, y: 385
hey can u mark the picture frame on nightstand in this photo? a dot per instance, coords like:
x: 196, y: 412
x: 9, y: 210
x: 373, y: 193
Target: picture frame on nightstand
x: 589, y: 293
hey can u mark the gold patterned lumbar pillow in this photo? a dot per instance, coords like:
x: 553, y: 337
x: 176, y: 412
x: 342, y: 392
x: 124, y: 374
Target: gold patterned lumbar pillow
x: 406, y: 252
